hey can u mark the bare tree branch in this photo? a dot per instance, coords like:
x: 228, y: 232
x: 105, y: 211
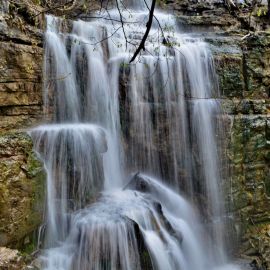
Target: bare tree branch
x: 121, y: 20
x: 106, y: 19
x: 159, y: 25
x: 148, y: 28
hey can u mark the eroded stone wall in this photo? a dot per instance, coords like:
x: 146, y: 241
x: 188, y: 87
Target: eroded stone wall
x: 244, y: 74
x: 21, y: 174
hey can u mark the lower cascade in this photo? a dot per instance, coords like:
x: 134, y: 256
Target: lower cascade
x: 131, y: 150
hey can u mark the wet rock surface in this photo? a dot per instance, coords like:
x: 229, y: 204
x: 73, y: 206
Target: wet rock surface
x: 143, y: 184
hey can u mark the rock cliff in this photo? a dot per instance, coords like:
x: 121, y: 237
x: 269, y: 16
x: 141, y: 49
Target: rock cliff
x: 243, y: 66
x: 21, y: 174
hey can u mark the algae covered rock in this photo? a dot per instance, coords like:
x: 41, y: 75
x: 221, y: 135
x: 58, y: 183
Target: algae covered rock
x: 248, y: 194
x: 256, y: 50
x: 258, y: 245
x: 22, y: 181
x: 229, y: 67
x: 243, y: 69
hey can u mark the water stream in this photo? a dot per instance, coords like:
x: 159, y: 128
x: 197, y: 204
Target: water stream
x: 131, y: 150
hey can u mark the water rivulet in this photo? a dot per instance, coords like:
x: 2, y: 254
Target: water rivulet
x: 131, y: 150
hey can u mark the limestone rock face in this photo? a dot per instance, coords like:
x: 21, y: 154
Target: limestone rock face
x: 20, y: 85
x: 201, y: 15
x: 20, y: 66
x: 243, y: 67
x: 22, y: 176
x: 21, y: 188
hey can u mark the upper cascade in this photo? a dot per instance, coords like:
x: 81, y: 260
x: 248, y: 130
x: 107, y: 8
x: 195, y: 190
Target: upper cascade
x: 108, y: 118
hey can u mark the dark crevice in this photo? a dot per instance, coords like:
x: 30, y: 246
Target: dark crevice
x: 5, y: 38
x: 24, y: 80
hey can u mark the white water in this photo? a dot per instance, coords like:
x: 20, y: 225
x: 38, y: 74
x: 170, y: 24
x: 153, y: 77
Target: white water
x: 110, y: 118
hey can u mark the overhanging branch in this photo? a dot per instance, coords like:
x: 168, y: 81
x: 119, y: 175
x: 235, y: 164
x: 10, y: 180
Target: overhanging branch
x: 148, y: 28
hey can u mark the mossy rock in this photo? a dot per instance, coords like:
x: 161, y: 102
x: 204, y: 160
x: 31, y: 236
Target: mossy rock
x: 22, y: 188
x: 231, y: 78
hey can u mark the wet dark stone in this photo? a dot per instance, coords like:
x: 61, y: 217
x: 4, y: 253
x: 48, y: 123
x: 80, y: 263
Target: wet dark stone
x: 138, y: 183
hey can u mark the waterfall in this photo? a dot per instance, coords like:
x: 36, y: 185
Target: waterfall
x: 108, y: 119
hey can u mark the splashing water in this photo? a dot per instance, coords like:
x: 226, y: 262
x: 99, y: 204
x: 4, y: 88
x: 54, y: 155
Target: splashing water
x: 110, y: 118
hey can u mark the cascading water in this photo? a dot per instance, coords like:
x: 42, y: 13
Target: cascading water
x: 110, y: 118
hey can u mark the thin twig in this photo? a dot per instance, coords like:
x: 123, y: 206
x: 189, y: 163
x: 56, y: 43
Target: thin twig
x: 148, y: 27
x: 121, y: 20
x: 161, y: 29
x: 106, y: 19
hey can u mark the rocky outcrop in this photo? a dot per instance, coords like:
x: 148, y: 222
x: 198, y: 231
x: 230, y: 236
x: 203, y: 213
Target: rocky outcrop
x: 11, y: 259
x: 20, y: 85
x: 244, y: 72
x: 21, y: 70
x: 216, y: 15
x: 21, y: 173
x: 21, y: 188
